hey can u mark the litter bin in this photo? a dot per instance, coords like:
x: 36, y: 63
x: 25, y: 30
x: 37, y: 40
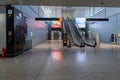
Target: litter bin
x: 82, y: 44
x: 69, y: 44
x: 113, y: 38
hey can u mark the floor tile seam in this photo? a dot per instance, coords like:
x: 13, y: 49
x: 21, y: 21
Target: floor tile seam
x: 68, y: 74
x: 18, y: 76
x: 83, y: 73
x: 43, y: 64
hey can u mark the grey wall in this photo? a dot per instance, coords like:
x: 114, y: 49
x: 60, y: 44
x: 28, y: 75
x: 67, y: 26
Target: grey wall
x: 37, y: 30
x: 2, y: 28
x: 108, y: 27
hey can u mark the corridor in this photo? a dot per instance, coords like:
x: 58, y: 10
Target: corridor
x: 50, y: 61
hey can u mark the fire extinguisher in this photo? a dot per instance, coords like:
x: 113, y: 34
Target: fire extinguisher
x: 4, y: 53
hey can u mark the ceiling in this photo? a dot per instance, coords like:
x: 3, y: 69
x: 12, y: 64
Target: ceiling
x: 85, y: 3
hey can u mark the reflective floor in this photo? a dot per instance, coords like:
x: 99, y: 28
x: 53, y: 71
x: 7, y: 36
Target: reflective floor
x: 50, y: 61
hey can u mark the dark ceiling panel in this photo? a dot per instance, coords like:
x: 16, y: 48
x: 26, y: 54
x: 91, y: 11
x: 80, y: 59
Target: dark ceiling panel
x: 87, y: 3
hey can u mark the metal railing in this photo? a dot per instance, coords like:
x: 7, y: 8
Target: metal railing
x: 88, y: 42
x: 67, y: 30
x: 75, y: 35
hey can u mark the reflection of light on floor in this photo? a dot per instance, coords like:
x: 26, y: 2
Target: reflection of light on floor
x: 108, y: 46
x: 57, y: 55
x: 56, y: 44
x: 81, y: 56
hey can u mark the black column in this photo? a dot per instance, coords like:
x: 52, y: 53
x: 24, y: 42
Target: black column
x: 10, y: 30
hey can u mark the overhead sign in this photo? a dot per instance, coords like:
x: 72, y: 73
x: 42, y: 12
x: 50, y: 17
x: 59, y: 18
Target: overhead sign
x: 46, y: 19
x: 97, y: 19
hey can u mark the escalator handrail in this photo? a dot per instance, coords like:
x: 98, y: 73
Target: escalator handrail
x: 76, y: 25
x: 64, y: 30
x: 84, y: 39
x: 78, y: 30
x: 69, y: 34
x: 75, y: 42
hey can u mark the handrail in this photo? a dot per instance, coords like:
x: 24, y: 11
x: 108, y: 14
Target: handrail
x: 76, y: 42
x: 71, y: 32
x: 84, y: 39
x: 69, y: 37
x: 64, y: 30
x: 78, y: 30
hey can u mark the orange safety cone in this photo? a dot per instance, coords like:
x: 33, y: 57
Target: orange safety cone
x: 4, y: 53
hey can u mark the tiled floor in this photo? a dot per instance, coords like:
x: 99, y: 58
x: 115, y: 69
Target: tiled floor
x: 50, y: 61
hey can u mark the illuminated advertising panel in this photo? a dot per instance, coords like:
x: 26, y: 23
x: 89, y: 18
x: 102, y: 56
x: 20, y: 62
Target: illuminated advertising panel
x: 56, y: 24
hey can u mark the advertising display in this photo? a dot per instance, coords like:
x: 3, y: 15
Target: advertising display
x: 80, y: 22
x: 16, y: 31
x: 20, y: 30
x: 56, y: 24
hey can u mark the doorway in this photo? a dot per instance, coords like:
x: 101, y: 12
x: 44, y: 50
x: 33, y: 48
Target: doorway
x: 56, y: 35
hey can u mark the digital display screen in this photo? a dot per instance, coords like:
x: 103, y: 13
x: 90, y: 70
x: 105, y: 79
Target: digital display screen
x: 56, y: 24
x: 80, y: 22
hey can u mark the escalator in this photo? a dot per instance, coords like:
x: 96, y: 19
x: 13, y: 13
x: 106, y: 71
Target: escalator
x: 66, y: 30
x: 88, y: 42
x: 77, y: 38
x: 74, y: 36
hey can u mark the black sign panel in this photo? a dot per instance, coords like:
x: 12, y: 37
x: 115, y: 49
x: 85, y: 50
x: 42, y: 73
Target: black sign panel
x: 10, y: 29
x: 47, y: 19
x: 97, y: 19
x: 65, y: 39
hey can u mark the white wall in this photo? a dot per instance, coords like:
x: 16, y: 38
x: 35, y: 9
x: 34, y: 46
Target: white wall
x: 112, y: 11
x: 106, y: 28
x: 108, y: 11
x: 2, y: 28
